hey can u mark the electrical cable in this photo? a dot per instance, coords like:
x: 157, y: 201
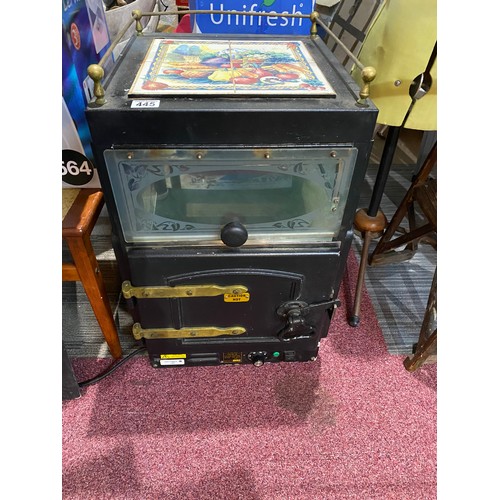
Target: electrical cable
x: 111, y: 369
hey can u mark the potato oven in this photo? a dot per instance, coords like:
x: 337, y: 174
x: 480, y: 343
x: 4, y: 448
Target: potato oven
x: 231, y: 170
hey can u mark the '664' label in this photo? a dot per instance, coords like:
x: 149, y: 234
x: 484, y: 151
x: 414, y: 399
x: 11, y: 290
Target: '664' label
x: 77, y: 169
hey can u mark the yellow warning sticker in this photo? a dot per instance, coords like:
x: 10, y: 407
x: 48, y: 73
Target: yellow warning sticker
x: 236, y: 297
x: 232, y: 357
x: 172, y: 356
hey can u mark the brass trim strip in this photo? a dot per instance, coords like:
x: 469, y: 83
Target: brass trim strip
x: 184, y: 333
x: 172, y: 292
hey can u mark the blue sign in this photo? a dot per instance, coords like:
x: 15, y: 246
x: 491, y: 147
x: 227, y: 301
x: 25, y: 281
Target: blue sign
x: 241, y: 24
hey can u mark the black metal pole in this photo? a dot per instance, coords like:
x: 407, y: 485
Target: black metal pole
x: 373, y: 217
x: 391, y: 144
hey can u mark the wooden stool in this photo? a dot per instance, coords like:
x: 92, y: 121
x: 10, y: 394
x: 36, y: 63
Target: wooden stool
x: 81, y: 208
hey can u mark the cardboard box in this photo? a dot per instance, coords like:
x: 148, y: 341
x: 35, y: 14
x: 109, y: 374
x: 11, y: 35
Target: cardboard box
x: 239, y: 24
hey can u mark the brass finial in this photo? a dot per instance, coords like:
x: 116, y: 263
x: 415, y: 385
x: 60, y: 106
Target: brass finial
x: 96, y: 73
x: 368, y: 74
x: 314, y: 16
x: 137, y: 15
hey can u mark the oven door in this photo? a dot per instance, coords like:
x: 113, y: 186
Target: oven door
x: 244, y: 305
x: 188, y: 196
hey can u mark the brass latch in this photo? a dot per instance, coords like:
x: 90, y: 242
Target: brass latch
x: 172, y: 292
x: 184, y: 333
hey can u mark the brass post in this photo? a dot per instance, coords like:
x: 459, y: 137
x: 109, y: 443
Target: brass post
x: 97, y: 74
x: 314, y: 26
x: 368, y: 74
x: 137, y: 15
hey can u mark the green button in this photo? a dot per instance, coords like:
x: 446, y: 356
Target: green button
x: 276, y: 354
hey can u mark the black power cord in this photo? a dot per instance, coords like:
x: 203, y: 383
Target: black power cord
x: 111, y: 368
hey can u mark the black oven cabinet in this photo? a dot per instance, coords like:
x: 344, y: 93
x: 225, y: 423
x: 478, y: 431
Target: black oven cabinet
x: 293, y: 288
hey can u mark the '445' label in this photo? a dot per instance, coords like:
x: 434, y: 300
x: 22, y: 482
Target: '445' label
x: 77, y: 169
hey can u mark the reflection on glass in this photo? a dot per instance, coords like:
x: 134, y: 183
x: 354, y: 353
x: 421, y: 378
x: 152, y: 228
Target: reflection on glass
x: 219, y: 197
x: 182, y: 196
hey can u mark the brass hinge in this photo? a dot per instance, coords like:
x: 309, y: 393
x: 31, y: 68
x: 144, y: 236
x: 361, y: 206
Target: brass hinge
x: 184, y: 333
x: 171, y: 292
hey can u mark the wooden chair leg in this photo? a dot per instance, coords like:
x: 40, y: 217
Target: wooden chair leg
x: 90, y: 275
x: 422, y: 353
x: 426, y: 344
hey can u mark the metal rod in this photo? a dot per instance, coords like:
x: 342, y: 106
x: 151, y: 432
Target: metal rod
x: 354, y: 319
x: 115, y: 42
x: 122, y: 32
x: 363, y: 29
x: 356, y: 61
x: 233, y: 12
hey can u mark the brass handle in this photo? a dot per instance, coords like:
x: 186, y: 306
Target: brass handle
x: 172, y: 292
x: 184, y: 333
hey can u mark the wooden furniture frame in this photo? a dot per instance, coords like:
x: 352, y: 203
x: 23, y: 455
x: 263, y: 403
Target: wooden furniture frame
x: 423, y: 191
x: 77, y: 227
x: 427, y: 340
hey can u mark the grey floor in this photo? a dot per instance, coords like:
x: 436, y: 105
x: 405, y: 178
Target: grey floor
x: 398, y: 292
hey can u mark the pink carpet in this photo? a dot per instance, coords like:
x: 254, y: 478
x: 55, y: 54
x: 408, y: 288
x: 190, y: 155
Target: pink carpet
x: 352, y: 425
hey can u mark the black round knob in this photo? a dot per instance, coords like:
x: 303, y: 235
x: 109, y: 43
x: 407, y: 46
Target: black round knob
x: 257, y: 358
x: 234, y: 234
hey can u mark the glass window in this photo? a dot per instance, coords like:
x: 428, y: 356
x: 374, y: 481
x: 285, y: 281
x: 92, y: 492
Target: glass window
x: 176, y: 196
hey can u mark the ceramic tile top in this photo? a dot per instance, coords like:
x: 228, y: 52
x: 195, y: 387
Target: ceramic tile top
x: 229, y: 67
